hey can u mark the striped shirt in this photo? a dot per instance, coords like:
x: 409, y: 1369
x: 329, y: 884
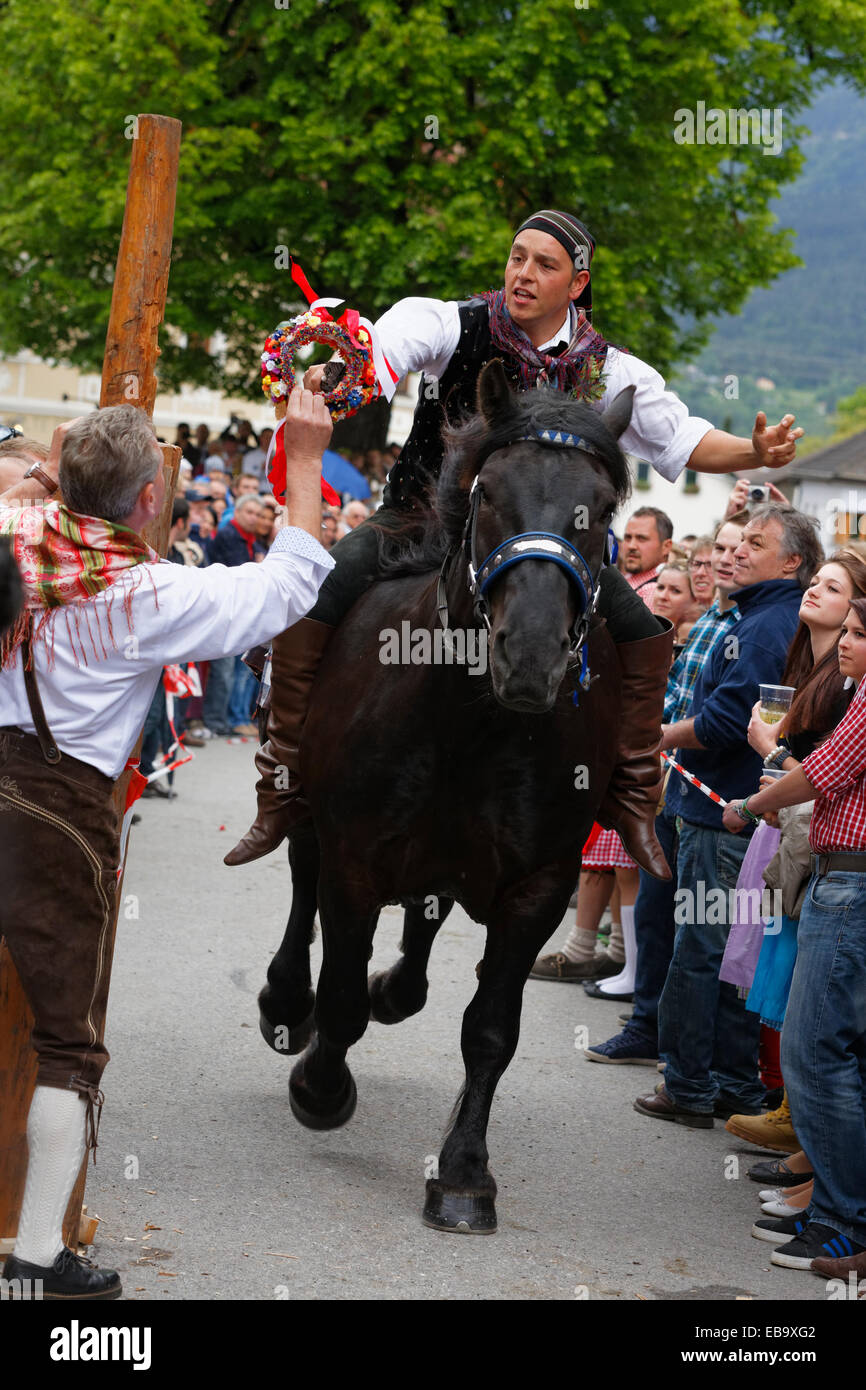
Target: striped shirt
x: 706, y: 632
x: 837, y: 769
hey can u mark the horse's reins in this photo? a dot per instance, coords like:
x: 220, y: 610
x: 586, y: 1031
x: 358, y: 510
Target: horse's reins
x: 529, y: 545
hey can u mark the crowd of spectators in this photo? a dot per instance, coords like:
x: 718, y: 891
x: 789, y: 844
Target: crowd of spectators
x: 715, y: 967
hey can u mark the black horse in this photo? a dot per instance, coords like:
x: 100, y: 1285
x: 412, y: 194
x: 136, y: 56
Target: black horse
x: 433, y: 781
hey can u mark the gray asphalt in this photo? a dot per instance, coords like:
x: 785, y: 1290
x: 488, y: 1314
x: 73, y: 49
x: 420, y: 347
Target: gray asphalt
x: 207, y: 1188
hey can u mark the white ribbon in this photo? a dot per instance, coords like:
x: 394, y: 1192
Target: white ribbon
x: 384, y: 375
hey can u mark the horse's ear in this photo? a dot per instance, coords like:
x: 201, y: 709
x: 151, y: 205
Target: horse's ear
x: 494, y: 393
x: 618, y: 413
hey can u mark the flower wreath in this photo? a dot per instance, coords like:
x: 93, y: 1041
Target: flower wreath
x: 346, y: 335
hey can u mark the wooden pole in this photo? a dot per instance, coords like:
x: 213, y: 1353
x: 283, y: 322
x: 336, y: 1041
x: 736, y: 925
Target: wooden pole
x: 128, y: 378
x: 143, y: 262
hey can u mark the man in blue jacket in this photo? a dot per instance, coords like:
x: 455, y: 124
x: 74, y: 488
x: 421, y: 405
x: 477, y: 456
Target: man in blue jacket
x: 708, y: 1040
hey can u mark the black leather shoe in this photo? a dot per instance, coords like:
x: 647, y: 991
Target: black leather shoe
x: 776, y: 1173
x: 71, y: 1276
x: 596, y: 992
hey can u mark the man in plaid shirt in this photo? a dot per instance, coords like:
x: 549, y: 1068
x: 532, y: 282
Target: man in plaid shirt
x: 654, y: 907
x: 824, y: 1038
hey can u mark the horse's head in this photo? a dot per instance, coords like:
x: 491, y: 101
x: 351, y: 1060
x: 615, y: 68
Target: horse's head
x: 544, y: 469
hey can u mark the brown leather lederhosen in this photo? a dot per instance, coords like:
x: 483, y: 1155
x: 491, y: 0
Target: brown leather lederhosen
x: 59, y: 851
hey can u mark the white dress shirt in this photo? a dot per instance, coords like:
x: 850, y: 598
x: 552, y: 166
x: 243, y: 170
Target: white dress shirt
x: 96, y: 710
x: 421, y: 335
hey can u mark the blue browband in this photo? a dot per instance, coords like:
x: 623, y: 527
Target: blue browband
x: 537, y: 545
x: 571, y: 441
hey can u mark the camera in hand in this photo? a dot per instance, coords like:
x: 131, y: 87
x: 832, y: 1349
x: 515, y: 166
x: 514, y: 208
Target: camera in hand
x: 757, y: 493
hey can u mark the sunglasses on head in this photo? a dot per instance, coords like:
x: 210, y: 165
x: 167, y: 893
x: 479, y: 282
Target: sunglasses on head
x: 10, y: 432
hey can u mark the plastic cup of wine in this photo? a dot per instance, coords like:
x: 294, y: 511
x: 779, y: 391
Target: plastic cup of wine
x: 775, y: 702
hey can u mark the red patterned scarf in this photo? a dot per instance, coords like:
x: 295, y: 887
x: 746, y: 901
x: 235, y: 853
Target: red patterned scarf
x: 578, y: 370
x: 66, y: 560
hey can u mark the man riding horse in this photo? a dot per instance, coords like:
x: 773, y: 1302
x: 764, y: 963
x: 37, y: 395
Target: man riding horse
x: 540, y: 326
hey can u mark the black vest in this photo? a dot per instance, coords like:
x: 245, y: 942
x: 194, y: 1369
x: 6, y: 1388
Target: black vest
x: 451, y: 398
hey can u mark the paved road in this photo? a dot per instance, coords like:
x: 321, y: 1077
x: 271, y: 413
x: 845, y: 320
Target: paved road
x: 208, y: 1188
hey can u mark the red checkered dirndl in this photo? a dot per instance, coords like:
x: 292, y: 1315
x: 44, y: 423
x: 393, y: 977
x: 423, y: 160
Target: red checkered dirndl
x: 607, y: 852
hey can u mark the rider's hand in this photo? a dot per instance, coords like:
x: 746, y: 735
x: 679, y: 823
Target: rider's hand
x: 774, y: 446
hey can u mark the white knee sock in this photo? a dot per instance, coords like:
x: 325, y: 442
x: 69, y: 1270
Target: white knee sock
x: 579, y: 945
x: 55, y: 1138
x: 623, y: 983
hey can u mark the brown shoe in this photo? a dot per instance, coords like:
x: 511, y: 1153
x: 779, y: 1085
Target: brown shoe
x: 632, y: 798
x: 660, y: 1106
x: 296, y: 655
x: 771, y: 1131
x: 840, y: 1269
x: 559, y: 967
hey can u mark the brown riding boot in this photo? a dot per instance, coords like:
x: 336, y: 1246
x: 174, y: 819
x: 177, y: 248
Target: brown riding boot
x: 295, y: 657
x: 631, y: 800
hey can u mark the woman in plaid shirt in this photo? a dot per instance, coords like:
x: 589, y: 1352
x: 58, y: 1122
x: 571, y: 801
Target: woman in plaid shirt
x: 824, y: 1040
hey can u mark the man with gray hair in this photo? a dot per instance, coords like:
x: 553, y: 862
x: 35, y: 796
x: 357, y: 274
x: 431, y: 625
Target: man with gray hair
x: 707, y: 1038
x: 78, y: 668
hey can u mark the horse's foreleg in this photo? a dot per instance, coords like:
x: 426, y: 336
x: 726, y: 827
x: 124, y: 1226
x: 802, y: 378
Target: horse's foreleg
x: 287, y: 1001
x: 397, y: 993
x: 462, y: 1197
x: 321, y: 1089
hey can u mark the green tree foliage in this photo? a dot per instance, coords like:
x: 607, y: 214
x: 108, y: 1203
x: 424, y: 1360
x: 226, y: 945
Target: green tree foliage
x: 851, y: 414
x: 393, y: 146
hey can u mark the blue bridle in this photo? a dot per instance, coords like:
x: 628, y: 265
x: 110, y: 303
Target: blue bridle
x: 532, y: 545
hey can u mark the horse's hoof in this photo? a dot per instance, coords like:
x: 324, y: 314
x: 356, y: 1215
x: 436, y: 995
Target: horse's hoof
x: 381, y: 1009
x: 465, y: 1212
x: 321, y: 1112
x: 283, y: 1037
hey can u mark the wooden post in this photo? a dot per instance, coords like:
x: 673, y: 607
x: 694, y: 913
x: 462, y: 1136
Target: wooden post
x: 128, y: 378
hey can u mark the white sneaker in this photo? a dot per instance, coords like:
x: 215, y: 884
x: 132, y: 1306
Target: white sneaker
x: 771, y: 1194
x: 779, y: 1208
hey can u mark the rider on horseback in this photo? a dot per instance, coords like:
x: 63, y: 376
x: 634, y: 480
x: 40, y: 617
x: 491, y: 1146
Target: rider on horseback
x: 539, y: 325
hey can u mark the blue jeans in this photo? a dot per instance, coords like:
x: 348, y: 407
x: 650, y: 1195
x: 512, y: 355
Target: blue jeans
x: 216, y: 696
x: 243, y: 693
x: 824, y: 1048
x: 654, y: 929
x: 706, y: 1036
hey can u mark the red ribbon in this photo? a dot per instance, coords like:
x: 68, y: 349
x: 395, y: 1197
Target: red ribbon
x: 302, y: 282
x: 350, y: 319
x: 277, y: 473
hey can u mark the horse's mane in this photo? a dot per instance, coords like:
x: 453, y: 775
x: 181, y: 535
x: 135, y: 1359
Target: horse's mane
x: 421, y: 544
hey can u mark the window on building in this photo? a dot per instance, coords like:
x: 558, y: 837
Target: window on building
x: 643, y: 478
x: 691, y: 483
